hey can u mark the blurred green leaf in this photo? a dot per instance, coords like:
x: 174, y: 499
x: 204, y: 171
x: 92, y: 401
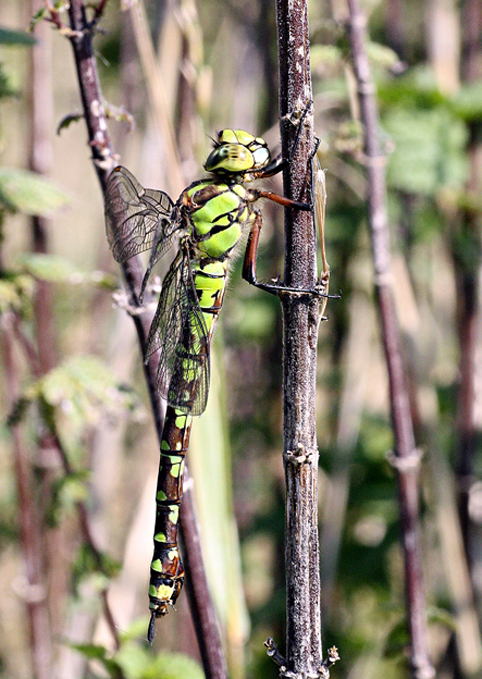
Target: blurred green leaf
x: 440, y: 615
x: 16, y: 291
x: 173, y: 666
x: 398, y: 640
x: 27, y: 192
x: 99, y: 653
x: 59, y: 270
x: 325, y: 55
x: 39, y: 15
x: 381, y: 55
x: 67, y: 491
x: 6, y: 89
x: 428, y: 150
x: 48, y: 267
x: 94, y: 568
x: 68, y: 120
x: 9, y: 36
x: 467, y: 103
x: 135, y: 659
x: 86, y: 386
x: 417, y: 89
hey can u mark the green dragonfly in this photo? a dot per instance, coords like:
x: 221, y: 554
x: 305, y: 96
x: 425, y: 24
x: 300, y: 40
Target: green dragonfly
x: 208, y: 219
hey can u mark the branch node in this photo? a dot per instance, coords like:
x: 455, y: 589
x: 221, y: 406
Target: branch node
x: 122, y: 301
x: 300, y: 456
x: 407, y: 463
x: 383, y: 279
x: 332, y: 657
x: 299, y: 111
x: 272, y: 652
x: 31, y: 593
x: 380, y: 160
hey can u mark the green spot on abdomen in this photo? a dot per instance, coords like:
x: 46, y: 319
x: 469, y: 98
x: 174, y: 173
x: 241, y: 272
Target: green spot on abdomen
x: 174, y: 514
x: 156, y: 565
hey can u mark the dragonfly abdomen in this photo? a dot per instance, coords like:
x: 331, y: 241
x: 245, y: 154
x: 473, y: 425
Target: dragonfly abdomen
x: 210, y: 283
x: 167, y: 572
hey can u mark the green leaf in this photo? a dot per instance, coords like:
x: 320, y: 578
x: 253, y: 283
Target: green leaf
x: 93, y: 568
x: 68, y: 119
x: 16, y: 291
x: 67, y: 492
x: 442, y: 616
x: 85, y: 389
x: 467, y: 103
x: 6, y: 89
x: 56, y: 269
x: 48, y: 267
x: 428, y: 150
x: 417, y: 89
x: 325, y: 55
x: 380, y: 55
x: 135, y: 659
x: 28, y: 192
x: 9, y: 36
x: 39, y: 15
x: 174, y: 666
x: 99, y: 653
x: 91, y: 651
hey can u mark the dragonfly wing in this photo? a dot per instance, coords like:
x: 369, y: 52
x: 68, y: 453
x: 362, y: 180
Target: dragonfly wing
x: 180, y: 331
x: 189, y: 386
x: 136, y: 217
x: 167, y: 322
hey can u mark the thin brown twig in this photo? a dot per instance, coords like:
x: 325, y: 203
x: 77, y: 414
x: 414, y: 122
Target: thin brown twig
x: 467, y: 276
x: 406, y: 459
x: 104, y: 160
x: 34, y: 588
x: 55, y: 442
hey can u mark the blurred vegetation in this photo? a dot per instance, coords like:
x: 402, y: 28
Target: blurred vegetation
x: 217, y: 62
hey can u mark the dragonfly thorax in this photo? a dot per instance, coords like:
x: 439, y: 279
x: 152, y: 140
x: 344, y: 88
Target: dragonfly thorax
x: 236, y: 152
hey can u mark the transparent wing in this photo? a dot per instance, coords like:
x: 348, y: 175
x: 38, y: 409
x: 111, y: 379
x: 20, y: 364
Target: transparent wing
x: 136, y: 218
x: 180, y: 331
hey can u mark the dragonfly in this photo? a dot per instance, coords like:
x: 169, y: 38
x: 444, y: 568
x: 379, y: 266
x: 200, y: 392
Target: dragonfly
x: 208, y: 221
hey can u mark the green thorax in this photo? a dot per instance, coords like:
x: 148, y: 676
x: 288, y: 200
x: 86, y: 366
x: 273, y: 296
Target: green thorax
x: 217, y: 213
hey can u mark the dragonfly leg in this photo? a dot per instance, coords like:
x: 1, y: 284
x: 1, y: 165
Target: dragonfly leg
x: 249, y: 267
x: 256, y: 194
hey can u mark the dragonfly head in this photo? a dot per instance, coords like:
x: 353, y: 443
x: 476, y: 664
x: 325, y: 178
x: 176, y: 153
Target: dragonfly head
x: 236, y: 152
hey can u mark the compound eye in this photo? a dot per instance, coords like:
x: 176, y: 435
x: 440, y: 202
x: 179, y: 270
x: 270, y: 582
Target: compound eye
x: 261, y: 156
x: 230, y: 159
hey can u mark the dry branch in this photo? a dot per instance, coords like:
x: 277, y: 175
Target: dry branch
x: 80, y: 35
x: 406, y: 459
x: 300, y: 322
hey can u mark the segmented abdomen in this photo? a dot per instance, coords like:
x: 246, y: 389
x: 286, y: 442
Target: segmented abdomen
x: 167, y: 572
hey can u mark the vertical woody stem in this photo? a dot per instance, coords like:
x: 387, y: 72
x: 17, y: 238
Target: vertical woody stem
x: 301, y: 319
x: 406, y: 459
